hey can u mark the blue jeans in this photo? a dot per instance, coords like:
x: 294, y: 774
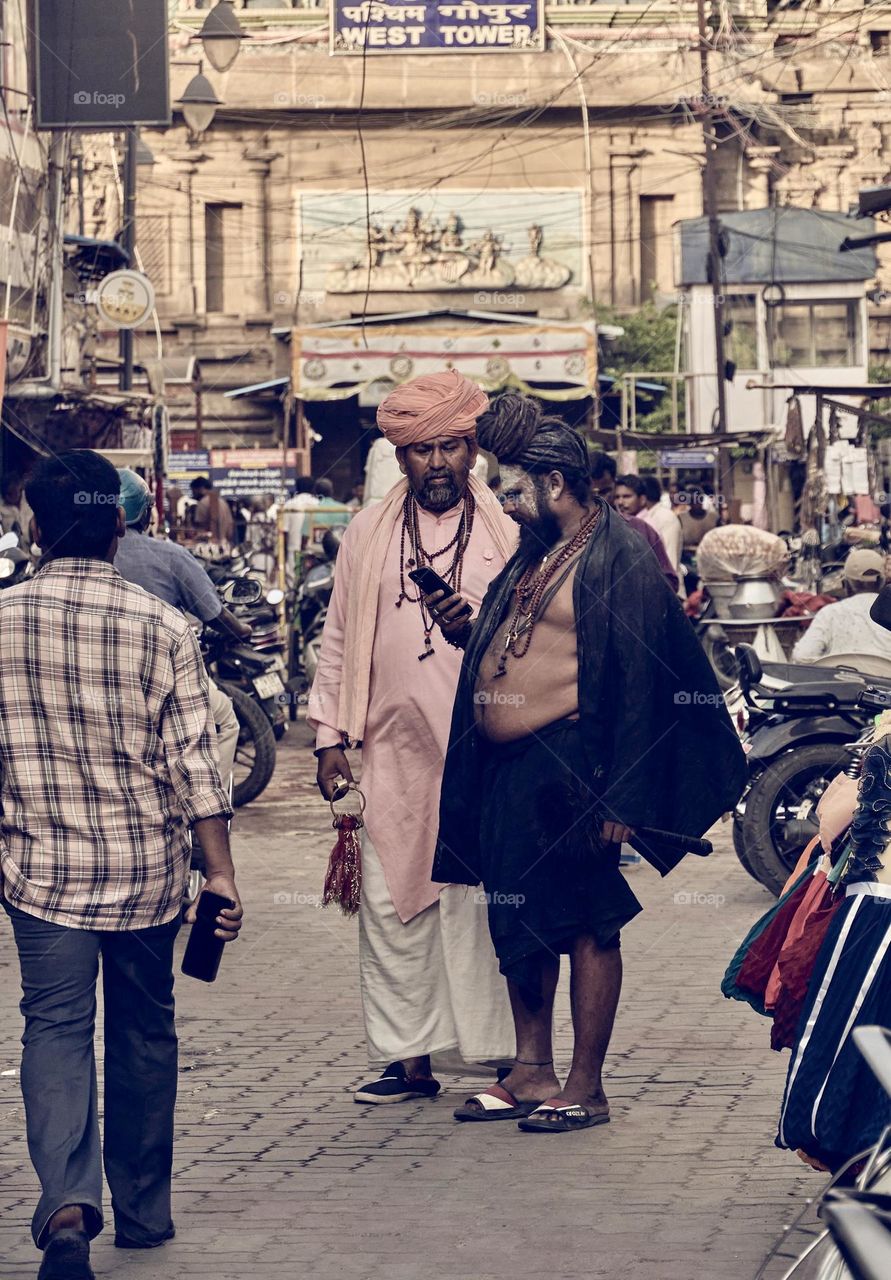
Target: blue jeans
x: 60, y: 968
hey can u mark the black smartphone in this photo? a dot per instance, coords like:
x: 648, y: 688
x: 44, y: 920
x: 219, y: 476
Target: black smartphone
x: 429, y: 581
x: 204, y: 950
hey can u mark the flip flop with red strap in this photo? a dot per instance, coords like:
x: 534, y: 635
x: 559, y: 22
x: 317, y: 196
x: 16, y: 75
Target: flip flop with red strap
x: 496, y: 1103
x: 554, y: 1116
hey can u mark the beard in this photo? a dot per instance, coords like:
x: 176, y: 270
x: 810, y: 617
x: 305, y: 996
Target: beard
x: 439, y: 497
x: 538, y: 534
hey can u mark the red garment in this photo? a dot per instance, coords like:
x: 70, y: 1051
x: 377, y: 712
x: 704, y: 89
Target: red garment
x: 796, y: 964
x: 802, y: 604
x: 765, y: 950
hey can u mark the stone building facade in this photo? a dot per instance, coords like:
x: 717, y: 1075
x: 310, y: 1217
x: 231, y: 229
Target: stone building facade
x: 535, y: 184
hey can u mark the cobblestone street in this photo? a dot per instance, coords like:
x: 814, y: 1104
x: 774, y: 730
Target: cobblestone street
x: 279, y: 1174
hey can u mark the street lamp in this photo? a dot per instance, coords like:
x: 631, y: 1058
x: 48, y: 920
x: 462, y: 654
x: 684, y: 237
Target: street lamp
x: 198, y: 104
x: 221, y: 36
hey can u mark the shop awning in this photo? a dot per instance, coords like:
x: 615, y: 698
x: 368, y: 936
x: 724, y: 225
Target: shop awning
x: 256, y: 388
x: 335, y: 362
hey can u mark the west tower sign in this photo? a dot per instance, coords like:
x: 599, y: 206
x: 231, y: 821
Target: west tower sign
x: 435, y: 26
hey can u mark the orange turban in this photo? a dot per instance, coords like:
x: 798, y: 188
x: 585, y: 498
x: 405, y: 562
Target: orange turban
x: 440, y: 404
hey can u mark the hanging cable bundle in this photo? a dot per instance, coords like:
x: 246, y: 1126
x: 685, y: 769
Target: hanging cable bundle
x: 343, y: 881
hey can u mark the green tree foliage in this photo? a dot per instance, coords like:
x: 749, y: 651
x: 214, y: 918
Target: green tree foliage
x: 647, y: 345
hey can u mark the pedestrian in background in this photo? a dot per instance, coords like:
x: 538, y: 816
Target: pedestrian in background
x: 106, y: 761
x: 603, y: 481
x: 846, y: 627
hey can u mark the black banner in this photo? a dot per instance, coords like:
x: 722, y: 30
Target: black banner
x: 101, y: 63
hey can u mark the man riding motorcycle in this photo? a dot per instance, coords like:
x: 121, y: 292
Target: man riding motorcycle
x: 167, y: 570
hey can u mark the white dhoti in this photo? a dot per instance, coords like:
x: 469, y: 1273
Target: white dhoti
x: 432, y: 984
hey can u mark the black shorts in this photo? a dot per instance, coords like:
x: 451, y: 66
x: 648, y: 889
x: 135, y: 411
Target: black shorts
x: 548, y: 877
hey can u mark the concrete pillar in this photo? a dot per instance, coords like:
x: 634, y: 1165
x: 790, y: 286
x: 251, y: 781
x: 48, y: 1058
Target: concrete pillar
x: 256, y: 226
x: 625, y: 230
x: 186, y: 272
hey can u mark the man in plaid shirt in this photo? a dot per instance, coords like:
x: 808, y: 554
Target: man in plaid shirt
x: 106, y: 762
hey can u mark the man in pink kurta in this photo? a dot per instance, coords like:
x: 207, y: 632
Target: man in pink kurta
x: 387, y: 679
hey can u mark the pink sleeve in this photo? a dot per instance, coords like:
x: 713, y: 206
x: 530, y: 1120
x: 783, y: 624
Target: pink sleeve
x: 324, y: 697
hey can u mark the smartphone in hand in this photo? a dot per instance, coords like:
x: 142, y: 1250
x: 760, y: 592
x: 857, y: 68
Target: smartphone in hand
x: 429, y: 581
x: 204, y: 949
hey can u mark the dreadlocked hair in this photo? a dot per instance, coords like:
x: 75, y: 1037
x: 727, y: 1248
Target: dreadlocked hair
x: 518, y: 432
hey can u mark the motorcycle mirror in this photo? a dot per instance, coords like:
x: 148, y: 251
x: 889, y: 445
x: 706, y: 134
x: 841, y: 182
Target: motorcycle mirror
x: 750, y: 669
x: 242, y: 591
x: 8, y: 541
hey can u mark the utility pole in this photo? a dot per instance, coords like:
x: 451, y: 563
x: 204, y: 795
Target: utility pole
x: 128, y: 242
x: 56, y: 259
x: 710, y: 206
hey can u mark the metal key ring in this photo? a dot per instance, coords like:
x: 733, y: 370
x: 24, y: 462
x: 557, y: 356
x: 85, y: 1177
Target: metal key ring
x: 342, y: 790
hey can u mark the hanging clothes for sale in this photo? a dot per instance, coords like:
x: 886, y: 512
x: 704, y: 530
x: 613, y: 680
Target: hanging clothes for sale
x: 794, y: 438
x: 815, y: 497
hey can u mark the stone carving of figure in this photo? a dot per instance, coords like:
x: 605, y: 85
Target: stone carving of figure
x: 488, y: 247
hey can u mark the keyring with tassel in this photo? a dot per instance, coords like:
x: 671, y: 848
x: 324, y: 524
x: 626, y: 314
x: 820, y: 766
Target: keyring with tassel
x: 343, y: 881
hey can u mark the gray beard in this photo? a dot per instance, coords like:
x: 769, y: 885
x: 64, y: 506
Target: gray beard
x: 439, y: 497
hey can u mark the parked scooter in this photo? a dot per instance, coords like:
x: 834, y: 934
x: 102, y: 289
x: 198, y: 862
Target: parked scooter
x: 798, y: 725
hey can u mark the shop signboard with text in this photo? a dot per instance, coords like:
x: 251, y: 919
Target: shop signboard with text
x: 436, y: 26
x: 245, y: 473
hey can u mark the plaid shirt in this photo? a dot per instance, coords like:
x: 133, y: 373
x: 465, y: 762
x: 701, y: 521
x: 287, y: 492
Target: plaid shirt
x: 106, y: 749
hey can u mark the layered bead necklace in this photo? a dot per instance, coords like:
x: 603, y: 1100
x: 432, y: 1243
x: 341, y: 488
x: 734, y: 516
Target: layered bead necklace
x: 410, y: 539
x: 532, y: 594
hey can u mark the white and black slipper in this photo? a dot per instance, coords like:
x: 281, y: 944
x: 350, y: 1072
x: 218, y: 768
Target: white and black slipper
x: 495, y: 1103
x: 561, y: 1118
x: 395, y: 1086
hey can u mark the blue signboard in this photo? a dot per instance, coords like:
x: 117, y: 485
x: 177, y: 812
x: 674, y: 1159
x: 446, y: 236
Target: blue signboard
x: 687, y: 457
x: 436, y: 26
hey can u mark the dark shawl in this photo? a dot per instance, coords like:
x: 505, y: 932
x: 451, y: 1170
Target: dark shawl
x: 659, y: 745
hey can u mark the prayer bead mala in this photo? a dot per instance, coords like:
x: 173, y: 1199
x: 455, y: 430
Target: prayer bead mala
x: 411, y: 534
x: 530, y: 591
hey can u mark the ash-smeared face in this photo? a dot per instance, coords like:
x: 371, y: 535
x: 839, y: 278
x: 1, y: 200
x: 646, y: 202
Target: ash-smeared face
x: 524, y: 496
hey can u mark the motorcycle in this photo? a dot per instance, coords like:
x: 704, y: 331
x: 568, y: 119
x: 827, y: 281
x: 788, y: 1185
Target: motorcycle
x: 15, y: 564
x: 799, y: 725
x: 855, y: 1243
x: 253, y: 682
x: 310, y: 612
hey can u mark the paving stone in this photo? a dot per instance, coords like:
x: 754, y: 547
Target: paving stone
x: 279, y: 1174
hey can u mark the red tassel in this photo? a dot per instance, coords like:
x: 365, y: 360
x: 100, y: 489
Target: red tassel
x: 343, y: 883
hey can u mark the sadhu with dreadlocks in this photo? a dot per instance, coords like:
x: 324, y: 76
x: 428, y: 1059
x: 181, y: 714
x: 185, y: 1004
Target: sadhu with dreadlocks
x: 586, y: 714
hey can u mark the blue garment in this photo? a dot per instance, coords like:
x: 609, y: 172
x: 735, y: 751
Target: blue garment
x: 325, y: 517
x: 60, y: 968
x: 167, y: 570
x: 833, y: 1105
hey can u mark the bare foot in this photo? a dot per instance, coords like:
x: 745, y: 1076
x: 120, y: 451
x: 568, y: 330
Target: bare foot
x: 531, y: 1084
x: 584, y: 1093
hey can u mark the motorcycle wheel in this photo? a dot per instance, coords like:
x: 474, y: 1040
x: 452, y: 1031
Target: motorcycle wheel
x: 795, y: 780
x: 739, y: 848
x: 255, y: 753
